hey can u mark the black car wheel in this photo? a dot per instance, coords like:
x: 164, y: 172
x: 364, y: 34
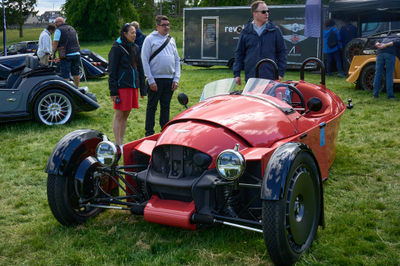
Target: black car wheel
x: 64, y: 201
x: 53, y: 107
x: 290, y: 224
x: 367, y: 78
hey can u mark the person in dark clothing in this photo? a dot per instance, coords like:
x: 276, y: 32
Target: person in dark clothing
x: 125, y: 77
x: 140, y: 36
x: 66, y: 37
x: 260, y: 39
x: 386, y: 58
x: 347, y: 33
x: 332, y: 52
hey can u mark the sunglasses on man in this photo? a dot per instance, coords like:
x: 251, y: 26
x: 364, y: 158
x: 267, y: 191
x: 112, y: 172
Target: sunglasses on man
x: 263, y: 11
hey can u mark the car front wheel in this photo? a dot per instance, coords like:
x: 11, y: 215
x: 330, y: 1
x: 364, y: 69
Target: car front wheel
x: 290, y: 224
x: 53, y: 107
x: 64, y: 201
x: 367, y: 78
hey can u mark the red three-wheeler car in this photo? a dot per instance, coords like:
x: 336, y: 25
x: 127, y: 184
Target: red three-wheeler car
x: 253, y: 159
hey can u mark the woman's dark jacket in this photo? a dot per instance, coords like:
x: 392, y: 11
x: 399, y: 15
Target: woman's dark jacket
x: 121, y: 71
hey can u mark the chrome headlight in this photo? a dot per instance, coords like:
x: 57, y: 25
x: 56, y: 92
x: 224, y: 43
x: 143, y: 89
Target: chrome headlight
x: 230, y: 164
x: 108, y: 153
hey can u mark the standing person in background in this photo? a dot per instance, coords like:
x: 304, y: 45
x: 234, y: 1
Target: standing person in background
x: 162, y: 69
x: 140, y: 36
x: 45, y: 49
x: 258, y: 40
x: 66, y: 38
x: 347, y: 33
x: 332, y: 47
x: 386, y: 57
x: 125, y: 77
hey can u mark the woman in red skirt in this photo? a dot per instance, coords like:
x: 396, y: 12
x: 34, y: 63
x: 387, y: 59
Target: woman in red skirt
x: 125, y: 77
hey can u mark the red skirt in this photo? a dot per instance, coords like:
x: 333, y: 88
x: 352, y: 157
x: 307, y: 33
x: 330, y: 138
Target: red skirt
x: 129, y: 99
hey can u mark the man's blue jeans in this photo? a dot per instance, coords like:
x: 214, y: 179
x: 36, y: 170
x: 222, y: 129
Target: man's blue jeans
x: 382, y: 60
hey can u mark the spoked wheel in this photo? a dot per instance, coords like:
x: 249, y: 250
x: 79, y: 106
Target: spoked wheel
x: 353, y: 48
x: 53, y: 107
x: 290, y: 224
x: 82, y: 74
x: 367, y: 78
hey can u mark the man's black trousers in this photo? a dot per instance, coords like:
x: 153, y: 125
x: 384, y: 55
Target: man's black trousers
x: 164, y: 95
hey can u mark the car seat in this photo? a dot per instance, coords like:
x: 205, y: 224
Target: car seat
x: 15, y: 74
x: 31, y: 61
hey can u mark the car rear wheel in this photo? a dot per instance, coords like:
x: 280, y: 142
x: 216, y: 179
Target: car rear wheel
x: 290, y: 224
x: 354, y: 47
x: 82, y: 74
x: 53, y: 107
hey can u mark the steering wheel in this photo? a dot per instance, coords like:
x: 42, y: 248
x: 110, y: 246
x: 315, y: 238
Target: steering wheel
x: 298, y: 106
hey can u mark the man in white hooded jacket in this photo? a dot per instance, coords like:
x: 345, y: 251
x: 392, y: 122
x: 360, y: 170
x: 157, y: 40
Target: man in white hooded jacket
x: 44, y: 50
x: 162, y: 72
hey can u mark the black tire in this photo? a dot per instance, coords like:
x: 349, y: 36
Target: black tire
x: 367, y: 76
x: 290, y: 224
x: 53, y: 107
x: 64, y: 202
x: 354, y: 47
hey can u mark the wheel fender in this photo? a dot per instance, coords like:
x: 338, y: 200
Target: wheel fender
x: 357, y: 65
x: 278, y: 167
x: 42, y: 86
x: 82, y: 174
x: 274, y: 181
x: 66, y: 154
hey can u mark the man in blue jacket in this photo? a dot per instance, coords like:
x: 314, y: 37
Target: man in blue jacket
x: 258, y: 40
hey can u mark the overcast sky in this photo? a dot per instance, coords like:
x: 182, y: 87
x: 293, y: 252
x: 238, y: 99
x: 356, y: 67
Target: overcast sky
x: 48, y: 5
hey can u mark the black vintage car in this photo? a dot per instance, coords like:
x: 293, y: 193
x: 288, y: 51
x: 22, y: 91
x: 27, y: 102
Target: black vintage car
x: 93, y: 65
x: 35, y: 91
x: 22, y: 48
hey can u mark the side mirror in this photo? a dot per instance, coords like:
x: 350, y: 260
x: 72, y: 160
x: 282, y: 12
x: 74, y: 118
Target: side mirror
x: 183, y: 99
x: 314, y: 104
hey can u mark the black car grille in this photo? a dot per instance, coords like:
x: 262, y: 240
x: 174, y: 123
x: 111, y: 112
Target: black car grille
x: 176, y: 162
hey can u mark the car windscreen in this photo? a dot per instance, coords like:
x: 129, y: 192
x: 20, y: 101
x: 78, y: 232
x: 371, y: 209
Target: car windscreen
x: 280, y: 92
x: 218, y: 87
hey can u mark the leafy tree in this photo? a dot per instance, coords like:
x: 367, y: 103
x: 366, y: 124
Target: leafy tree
x: 99, y: 19
x: 17, y: 12
x: 146, y: 11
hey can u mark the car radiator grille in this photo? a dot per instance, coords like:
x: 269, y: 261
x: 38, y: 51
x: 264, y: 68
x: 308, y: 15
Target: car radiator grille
x: 174, y: 170
x: 177, y: 162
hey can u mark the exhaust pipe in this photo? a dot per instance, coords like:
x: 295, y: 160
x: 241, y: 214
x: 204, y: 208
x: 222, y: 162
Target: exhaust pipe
x: 208, y: 219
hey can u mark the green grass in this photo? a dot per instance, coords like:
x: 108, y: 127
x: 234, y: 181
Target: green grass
x: 13, y: 35
x: 362, y: 210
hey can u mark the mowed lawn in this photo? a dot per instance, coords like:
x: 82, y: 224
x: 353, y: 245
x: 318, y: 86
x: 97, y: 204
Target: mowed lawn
x: 361, y: 196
